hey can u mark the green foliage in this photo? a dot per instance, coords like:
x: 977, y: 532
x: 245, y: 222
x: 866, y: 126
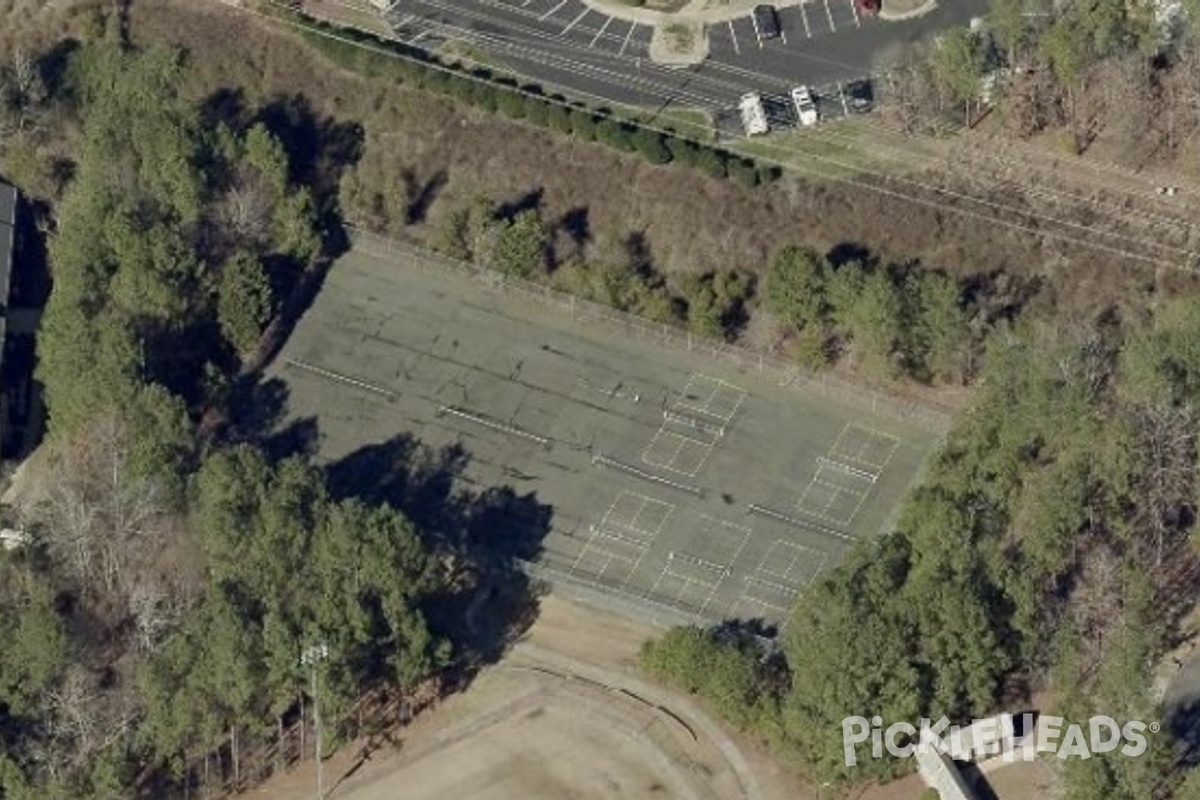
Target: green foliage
x: 651, y: 147
x: 958, y: 64
x: 615, y: 134
x: 716, y: 302
x: 244, y: 301
x: 583, y: 124
x: 519, y: 245
x: 796, y: 287
x: 724, y: 667
x: 711, y: 162
x: 536, y: 110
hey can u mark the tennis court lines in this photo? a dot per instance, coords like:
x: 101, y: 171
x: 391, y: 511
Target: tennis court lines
x: 693, y: 425
x: 786, y: 570
x: 846, y: 474
x: 618, y: 543
x: 720, y: 570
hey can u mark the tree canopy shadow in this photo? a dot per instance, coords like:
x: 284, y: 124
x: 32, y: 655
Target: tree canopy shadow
x: 530, y: 201
x: 256, y: 412
x: 485, y: 532
x: 420, y: 195
x: 320, y: 148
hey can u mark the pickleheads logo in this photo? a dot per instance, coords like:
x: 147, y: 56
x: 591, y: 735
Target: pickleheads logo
x: 1014, y: 738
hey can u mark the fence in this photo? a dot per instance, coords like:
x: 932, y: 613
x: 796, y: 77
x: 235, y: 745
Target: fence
x: 875, y: 399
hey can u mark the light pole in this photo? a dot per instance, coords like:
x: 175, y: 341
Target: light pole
x: 311, y: 657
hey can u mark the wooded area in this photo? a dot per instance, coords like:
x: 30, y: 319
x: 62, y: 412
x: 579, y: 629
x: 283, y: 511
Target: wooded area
x: 1049, y: 548
x: 174, y: 578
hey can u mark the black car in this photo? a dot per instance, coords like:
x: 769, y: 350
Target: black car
x: 766, y: 22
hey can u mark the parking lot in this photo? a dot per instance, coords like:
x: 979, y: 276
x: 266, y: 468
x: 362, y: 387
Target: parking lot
x: 677, y: 484
x: 569, y: 46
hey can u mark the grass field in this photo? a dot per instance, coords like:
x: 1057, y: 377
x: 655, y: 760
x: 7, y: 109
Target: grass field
x: 678, y: 486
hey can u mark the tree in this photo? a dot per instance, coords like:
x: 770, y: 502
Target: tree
x: 519, y: 247
x: 940, y: 336
x: 874, y: 321
x: 796, y: 287
x: 244, y: 301
x: 958, y: 67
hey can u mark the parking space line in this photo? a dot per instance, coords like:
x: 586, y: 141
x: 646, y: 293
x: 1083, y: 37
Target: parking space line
x: 842, y: 94
x: 757, y: 34
x: 854, y: 8
x: 599, y: 33
x: 420, y: 36
x: 829, y: 13
x: 736, y: 49
x: 625, y: 43
x: 547, y: 15
x: 804, y: 16
x: 575, y: 21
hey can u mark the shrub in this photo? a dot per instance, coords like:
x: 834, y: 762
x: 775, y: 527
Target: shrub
x: 536, y: 110
x: 712, y: 162
x: 583, y: 124
x: 614, y: 134
x: 510, y: 103
x: 650, y: 145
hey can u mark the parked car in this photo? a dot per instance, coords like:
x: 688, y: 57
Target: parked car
x: 766, y: 22
x: 806, y: 107
x: 860, y: 96
x: 754, y: 116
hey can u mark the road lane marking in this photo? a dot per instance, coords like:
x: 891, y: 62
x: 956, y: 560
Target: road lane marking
x: 575, y: 21
x: 546, y: 16
x: 625, y: 43
x: 829, y: 14
x: 804, y: 16
x: 599, y: 33
x: 737, y: 50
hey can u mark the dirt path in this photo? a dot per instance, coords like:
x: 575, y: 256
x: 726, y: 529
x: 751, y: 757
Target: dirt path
x: 564, y: 715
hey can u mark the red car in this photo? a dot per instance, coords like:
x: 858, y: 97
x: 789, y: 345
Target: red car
x: 868, y: 8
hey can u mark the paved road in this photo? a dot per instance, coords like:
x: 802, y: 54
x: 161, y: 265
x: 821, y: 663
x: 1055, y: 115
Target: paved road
x: 563, y: 43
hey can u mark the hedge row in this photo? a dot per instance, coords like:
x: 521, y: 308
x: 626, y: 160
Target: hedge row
x: 484, y: 89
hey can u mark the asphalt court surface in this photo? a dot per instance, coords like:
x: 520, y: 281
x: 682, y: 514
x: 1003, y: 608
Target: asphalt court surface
x: 674, y: 480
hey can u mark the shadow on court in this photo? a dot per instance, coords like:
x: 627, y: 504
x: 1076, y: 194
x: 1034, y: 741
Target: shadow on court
x: 482, y: 532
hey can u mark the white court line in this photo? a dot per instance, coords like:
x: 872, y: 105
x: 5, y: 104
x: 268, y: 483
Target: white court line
x: 625, y: 43
x: 546, y: 16
x: 829, y: 14
x: 669, y: 464
x: 733, y: 560
x: 575, y: 21
x: 847, y: 469
x: 340, y: 378
x: 599, y: 33
x: 854, y: 8
x: 736, y: 49
x: 804, y: 16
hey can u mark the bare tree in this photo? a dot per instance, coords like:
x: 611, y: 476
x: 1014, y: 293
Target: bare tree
x: 1167, y: 438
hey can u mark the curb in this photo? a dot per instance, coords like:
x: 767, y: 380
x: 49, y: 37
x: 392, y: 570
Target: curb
x: 900, y: 16
x: 652, y: 18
